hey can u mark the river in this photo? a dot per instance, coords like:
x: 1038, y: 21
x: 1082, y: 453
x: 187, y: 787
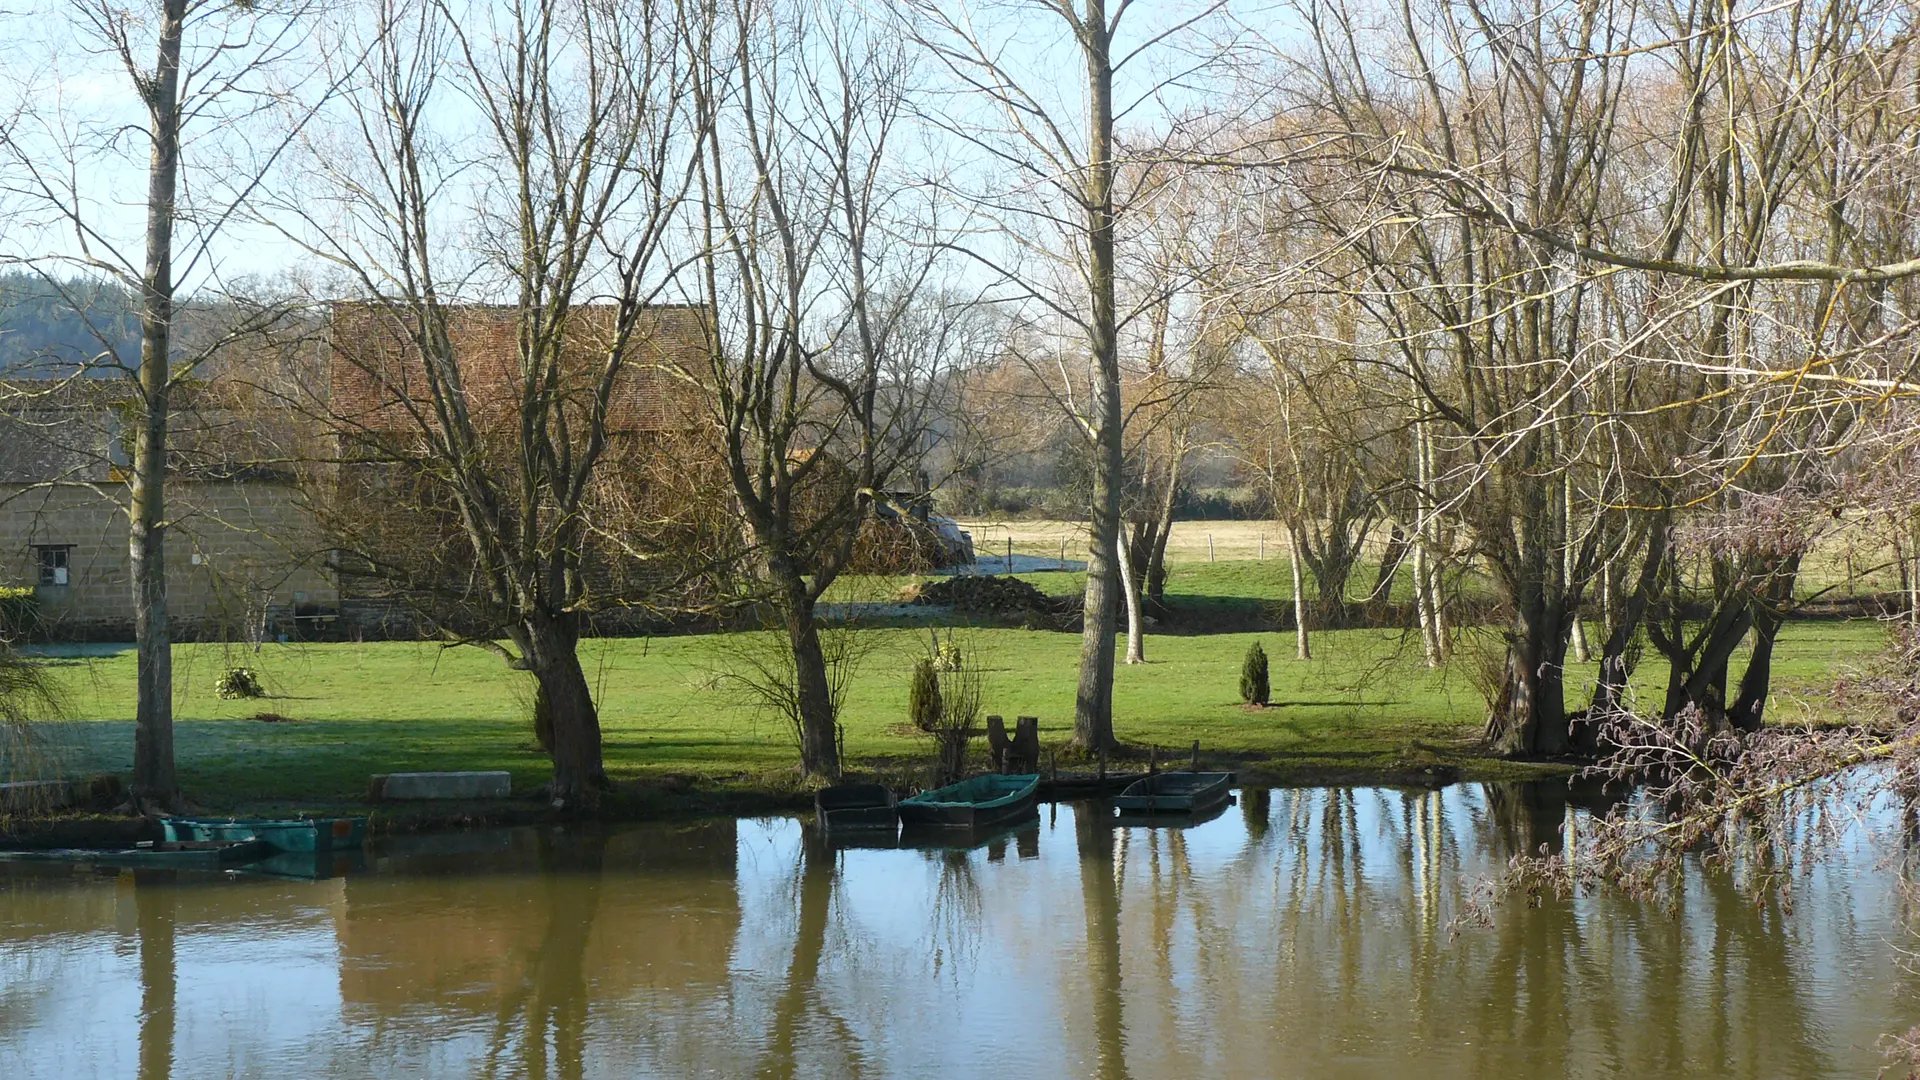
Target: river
x: 1303, y: 933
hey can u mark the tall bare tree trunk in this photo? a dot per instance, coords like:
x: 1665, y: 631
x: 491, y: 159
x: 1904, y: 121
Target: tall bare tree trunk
x: 1580, y: 652
x: 1610, y: 688
x: 1302, y: 649
x: 1534, y: 719
x: 154, y: 781
x: 1426, y: 573
x: 1422, y: 569
x: 1430, y: 643
x: 1156, y: 571
x: 1093, y: 706
x: 1136, y: 622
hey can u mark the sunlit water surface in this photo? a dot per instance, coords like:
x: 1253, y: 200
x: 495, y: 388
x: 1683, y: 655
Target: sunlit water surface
x: 1304, y: 933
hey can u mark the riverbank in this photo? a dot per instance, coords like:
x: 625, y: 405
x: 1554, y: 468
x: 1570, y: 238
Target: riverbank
x: 681, y: 738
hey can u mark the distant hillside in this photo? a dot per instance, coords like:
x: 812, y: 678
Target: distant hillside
x: 49, y: 329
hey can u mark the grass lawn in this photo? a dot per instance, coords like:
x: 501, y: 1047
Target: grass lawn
x: 1363, y: 705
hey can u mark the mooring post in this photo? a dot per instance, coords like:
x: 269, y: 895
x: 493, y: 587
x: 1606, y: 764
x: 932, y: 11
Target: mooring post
x: 1009, y: 553
x: 1153, y: 760
x: 1209, y: 547
x: 1063, y: 553
x: 1194, y: 766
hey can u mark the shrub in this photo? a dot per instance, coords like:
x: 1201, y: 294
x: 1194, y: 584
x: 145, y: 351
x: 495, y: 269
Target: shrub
x: 962, y: 691
x: 238, y: 683
x: 1254, y: 689
x: 923, y: 695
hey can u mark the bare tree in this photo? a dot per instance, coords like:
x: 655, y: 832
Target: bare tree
x: 1058, y: 179
x: 826, y: 351
x: 197, y: 75
x: 492, y: 371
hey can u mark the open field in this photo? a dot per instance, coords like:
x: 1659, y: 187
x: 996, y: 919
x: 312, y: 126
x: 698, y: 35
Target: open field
x: 1188, y: 542
x: 1363, y: 707
x: 1849, y: 561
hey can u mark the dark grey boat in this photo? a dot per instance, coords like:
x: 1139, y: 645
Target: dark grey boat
x: 855, y: 808
x: 1175, y: 793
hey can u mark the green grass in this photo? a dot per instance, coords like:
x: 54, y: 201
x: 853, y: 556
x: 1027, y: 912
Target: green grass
x: 1360, y: 707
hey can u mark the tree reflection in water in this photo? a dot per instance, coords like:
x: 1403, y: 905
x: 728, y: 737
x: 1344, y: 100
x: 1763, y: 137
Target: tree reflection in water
x: 156, y: 904
x: 1100, y: 896
x: 548, y: 1010
x: 1318, y: 937
x: 800, y: 998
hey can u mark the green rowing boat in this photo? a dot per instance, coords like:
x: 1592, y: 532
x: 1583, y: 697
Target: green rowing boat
x: 282, y: 834
x: 970, y: 804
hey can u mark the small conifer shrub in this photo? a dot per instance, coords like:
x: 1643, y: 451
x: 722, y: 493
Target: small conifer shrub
x: 923, y: 695
x: 1254, y: 689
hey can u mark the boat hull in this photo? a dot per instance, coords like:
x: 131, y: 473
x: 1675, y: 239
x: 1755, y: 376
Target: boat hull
x: 1175, y: 793
x: 972, y: 804
x: 855, y: 808
x: 296, y: 834
x: 1127, y: 820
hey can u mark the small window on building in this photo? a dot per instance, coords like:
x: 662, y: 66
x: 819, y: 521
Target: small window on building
x: 53, y: 559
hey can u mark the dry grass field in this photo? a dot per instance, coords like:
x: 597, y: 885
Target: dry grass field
x: 1192, y: 541
x: 1846, y: 562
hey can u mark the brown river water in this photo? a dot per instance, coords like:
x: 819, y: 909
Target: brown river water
x: 1303, y: 933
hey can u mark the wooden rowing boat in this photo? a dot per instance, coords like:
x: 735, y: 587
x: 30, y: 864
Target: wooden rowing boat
x: 1130, y: 820
x: 1175, y: 793
x: 281, y: 834
x: 971, y: 804
x: 855, y: 808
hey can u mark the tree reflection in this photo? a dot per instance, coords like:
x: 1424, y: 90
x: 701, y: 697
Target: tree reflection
x: 1256, y: 804
x: 801, y: 995
x: 155, y: 908
x: 1100, y: 895
x: 549, y: 1010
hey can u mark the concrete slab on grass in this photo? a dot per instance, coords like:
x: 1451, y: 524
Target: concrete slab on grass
x: 443, y: 785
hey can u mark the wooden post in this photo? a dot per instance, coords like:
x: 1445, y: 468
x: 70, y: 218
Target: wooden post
x: 1263, y: 547
x: 1009, y: 553
x: 1153, y: 760
x: 1194, y: 765
x: 1053, y: 766
x: 1023, y: 753
x: 997, y: 742
x: 1209, y: 547
x: 1063, y: 553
